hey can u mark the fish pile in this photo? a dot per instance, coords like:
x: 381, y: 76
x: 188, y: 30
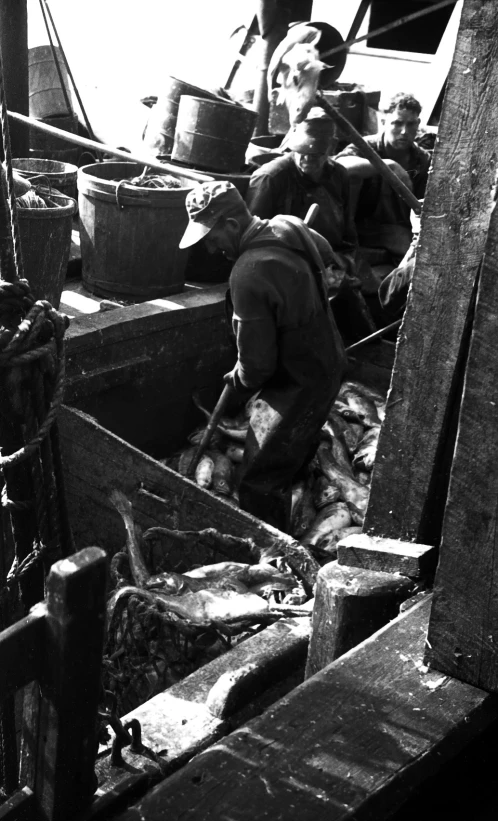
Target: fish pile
x: 161, y: 625
x: 331, y: 500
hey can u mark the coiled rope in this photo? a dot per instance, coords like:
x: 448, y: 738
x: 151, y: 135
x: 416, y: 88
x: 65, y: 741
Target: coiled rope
x: 34, y: 529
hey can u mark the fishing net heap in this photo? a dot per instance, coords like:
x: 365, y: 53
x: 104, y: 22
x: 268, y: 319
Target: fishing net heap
x: 331, y: 501
x: 162, y: 625
x: 152, y: 181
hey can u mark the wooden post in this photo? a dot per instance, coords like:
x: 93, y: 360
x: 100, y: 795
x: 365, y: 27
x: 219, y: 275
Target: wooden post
x: 409, y: 483
x: 350, y: 605
x: 463, y: 630
x: 14, y: 49
x: 70, y: 684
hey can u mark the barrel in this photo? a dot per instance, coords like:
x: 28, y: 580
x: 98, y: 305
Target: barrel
x: 263, y: 149
x: 46, y: 96
x: 60, y: 175
x: 212, y: 135
x: 46, y: 146
x: 159, y: 132
x: 45, y: 238
x: 129, y: 235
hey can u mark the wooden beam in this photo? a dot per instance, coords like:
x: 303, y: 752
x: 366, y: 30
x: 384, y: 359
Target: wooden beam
x: 350, y: 604
x: 352, y: 742
x: 97, y: 462
x: 386, y: 555
x: 408, y: 492
x: 463, y: 629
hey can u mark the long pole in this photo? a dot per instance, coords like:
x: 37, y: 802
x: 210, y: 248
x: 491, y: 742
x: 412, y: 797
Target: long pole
x: 84, y: 142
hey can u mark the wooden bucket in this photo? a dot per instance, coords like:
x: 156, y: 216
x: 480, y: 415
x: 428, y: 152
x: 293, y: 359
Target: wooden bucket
x: 130, y: 235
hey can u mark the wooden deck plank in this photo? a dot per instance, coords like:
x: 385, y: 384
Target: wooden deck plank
x: 455, y: 221
x: 351, y: 742
x: 464, y: 620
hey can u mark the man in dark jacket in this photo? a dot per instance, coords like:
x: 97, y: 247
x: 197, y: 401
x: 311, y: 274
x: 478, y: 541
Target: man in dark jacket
x: 288, y: 345
x: 382, y: 217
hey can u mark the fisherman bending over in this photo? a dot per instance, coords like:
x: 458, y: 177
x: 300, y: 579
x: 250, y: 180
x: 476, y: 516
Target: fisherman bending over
x: 288, y: 345
x: 382, y: 217
x: 291, y: 184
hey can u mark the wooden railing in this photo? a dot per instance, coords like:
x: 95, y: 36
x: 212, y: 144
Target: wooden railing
x: 59, y: 646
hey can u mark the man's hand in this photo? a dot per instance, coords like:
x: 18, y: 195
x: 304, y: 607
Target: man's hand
x: 232, y: 378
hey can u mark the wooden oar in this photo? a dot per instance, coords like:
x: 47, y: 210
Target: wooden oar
x: 228, y: 390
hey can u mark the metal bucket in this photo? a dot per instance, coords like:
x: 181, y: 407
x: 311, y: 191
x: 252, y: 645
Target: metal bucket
x: 48, y: 147
x: 159, y: 133
x: 46, y: 96
x: 212, y: 135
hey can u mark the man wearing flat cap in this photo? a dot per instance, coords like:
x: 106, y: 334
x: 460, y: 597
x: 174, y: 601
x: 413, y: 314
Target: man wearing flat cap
x: 290, y: 184
x: 306, y: 175
x: 288, y: 346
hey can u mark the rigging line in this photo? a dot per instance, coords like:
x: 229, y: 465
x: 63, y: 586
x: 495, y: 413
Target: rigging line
x: 388, y: 27
x: 56, y: 61
x: 70, y: 74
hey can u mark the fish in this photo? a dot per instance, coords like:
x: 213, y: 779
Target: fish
x: 338, y: 448
x: 235, y: 428
x: 185, y: 460
x: 363, y: 407
x: 375, y: 396
x: 363, y: 477
x: 353, y: 436
x: 350, y: 431
x: 351, y: 490
x: 235, y: 453
x: 297, y: 493
x: 196, y: 436
x: 334, y: 516
x: 204, y: 471
x: 364, y: 390
x: 343, y: 409
x: 324, y: 492
x: 327, y: 547
x: 295, y: 64
x: 305, y: 512
x: 364, y: 458
x: 223, y: 477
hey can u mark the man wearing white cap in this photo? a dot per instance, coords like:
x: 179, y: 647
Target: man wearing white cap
x: 306, y: 175
x: 288, y: 345
x: 291, y: 183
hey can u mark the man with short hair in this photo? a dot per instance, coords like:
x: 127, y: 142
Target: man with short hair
x: 382, y: 217
x: 288, y: 345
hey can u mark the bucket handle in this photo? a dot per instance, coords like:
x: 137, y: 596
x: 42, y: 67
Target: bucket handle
x: 119, y: 202
x: 37, y: 181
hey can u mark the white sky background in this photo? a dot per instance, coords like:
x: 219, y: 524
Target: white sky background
x: 120, y: 50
